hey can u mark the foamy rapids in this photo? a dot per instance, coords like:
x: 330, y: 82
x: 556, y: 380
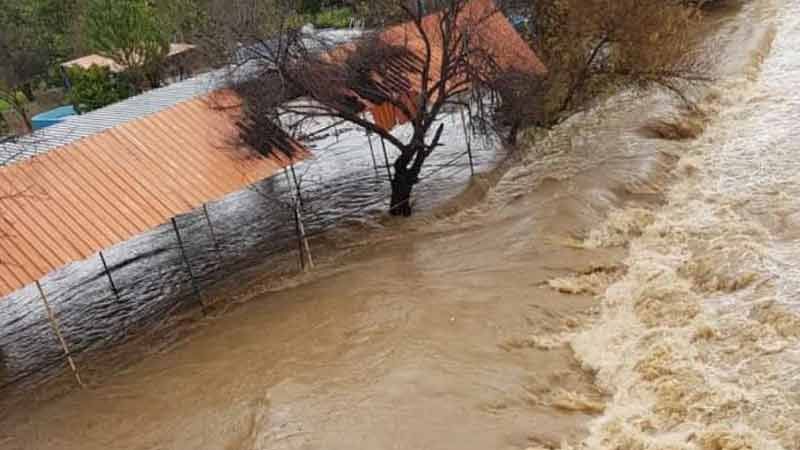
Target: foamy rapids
x: 698, y: 343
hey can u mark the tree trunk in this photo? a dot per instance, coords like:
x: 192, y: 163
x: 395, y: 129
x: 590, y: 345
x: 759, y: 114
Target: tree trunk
x: 22, y: 113
x: 406, y: 174
x: 402, y: 185
x: 26, y: 121
x: 27, y: 89
x: 513, y: 132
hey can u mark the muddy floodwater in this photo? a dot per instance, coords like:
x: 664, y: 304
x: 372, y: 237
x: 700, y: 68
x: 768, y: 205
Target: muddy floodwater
x: 605, y: 288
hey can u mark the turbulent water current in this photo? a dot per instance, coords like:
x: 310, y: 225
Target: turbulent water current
x: 629, y: 280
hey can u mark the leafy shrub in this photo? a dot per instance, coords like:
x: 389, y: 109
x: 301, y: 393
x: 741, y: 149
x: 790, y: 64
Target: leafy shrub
x: 97, y: 87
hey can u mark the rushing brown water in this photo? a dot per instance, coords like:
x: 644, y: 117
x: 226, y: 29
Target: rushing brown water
x: 699, y: 343
x: 484, y: 329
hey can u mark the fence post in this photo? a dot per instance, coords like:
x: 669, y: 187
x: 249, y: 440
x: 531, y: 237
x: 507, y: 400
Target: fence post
x: 302, y: 239
x: 57, y: 330
x: 386, y: 158
x: 299, y: 239
x: 298, y: 193
x: 213, y: 233
x: 188, y: 266
x: 372, y: 152
x: 108, y: 275
x: 468, y: 139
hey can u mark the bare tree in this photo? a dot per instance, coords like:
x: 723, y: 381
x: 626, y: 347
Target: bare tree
x: 593, y: 45
x: 288, y: 79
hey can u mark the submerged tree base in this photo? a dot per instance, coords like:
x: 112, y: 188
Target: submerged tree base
x: 400, y: 205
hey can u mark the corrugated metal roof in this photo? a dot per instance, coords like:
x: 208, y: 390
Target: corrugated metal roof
x: 77, y: 127
x: 77, y: 199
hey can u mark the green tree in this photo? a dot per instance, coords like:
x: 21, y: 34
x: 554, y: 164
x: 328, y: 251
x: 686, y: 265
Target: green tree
x: 97, y: 87
x: 21, y: 59
x: 54, y: 24
x: 184, y: 18
x: 134, y: 33
x: 34, y: 36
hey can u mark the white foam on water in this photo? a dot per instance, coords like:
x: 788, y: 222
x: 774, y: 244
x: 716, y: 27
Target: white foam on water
x: 698, y: 344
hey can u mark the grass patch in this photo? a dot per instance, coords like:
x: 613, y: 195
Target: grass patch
x: 4, y: 106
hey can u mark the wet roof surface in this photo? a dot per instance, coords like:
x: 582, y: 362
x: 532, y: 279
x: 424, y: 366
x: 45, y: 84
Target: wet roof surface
x: 70, y: 202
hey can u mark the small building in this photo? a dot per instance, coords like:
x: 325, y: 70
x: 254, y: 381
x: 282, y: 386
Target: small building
x: 182, y: 62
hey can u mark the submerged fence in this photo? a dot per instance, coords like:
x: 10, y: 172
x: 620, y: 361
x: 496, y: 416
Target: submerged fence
x: 73, y: 319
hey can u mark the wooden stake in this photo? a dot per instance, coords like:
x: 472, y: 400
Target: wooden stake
x: 57, y: 331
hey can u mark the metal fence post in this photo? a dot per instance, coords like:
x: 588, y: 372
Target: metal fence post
x: 303, y: 237
x: 468, y: 139
x: 57, y: 330
x: 108, y: 275
x: 213, y: 233
x: 188, y: 266
x: 299, y: 239
x: 298, y: 193
x: 386, y: 158
x: 297, y: 203
x: 372, y: 153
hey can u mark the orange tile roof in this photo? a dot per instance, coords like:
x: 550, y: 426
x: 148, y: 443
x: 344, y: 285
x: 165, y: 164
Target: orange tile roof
x: 68, y: 204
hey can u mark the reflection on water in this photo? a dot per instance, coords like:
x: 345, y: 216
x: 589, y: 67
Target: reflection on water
x: 3, y: 369
x: 339, y: 186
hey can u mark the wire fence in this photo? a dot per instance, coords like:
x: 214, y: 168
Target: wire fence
x: 143, y: 288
